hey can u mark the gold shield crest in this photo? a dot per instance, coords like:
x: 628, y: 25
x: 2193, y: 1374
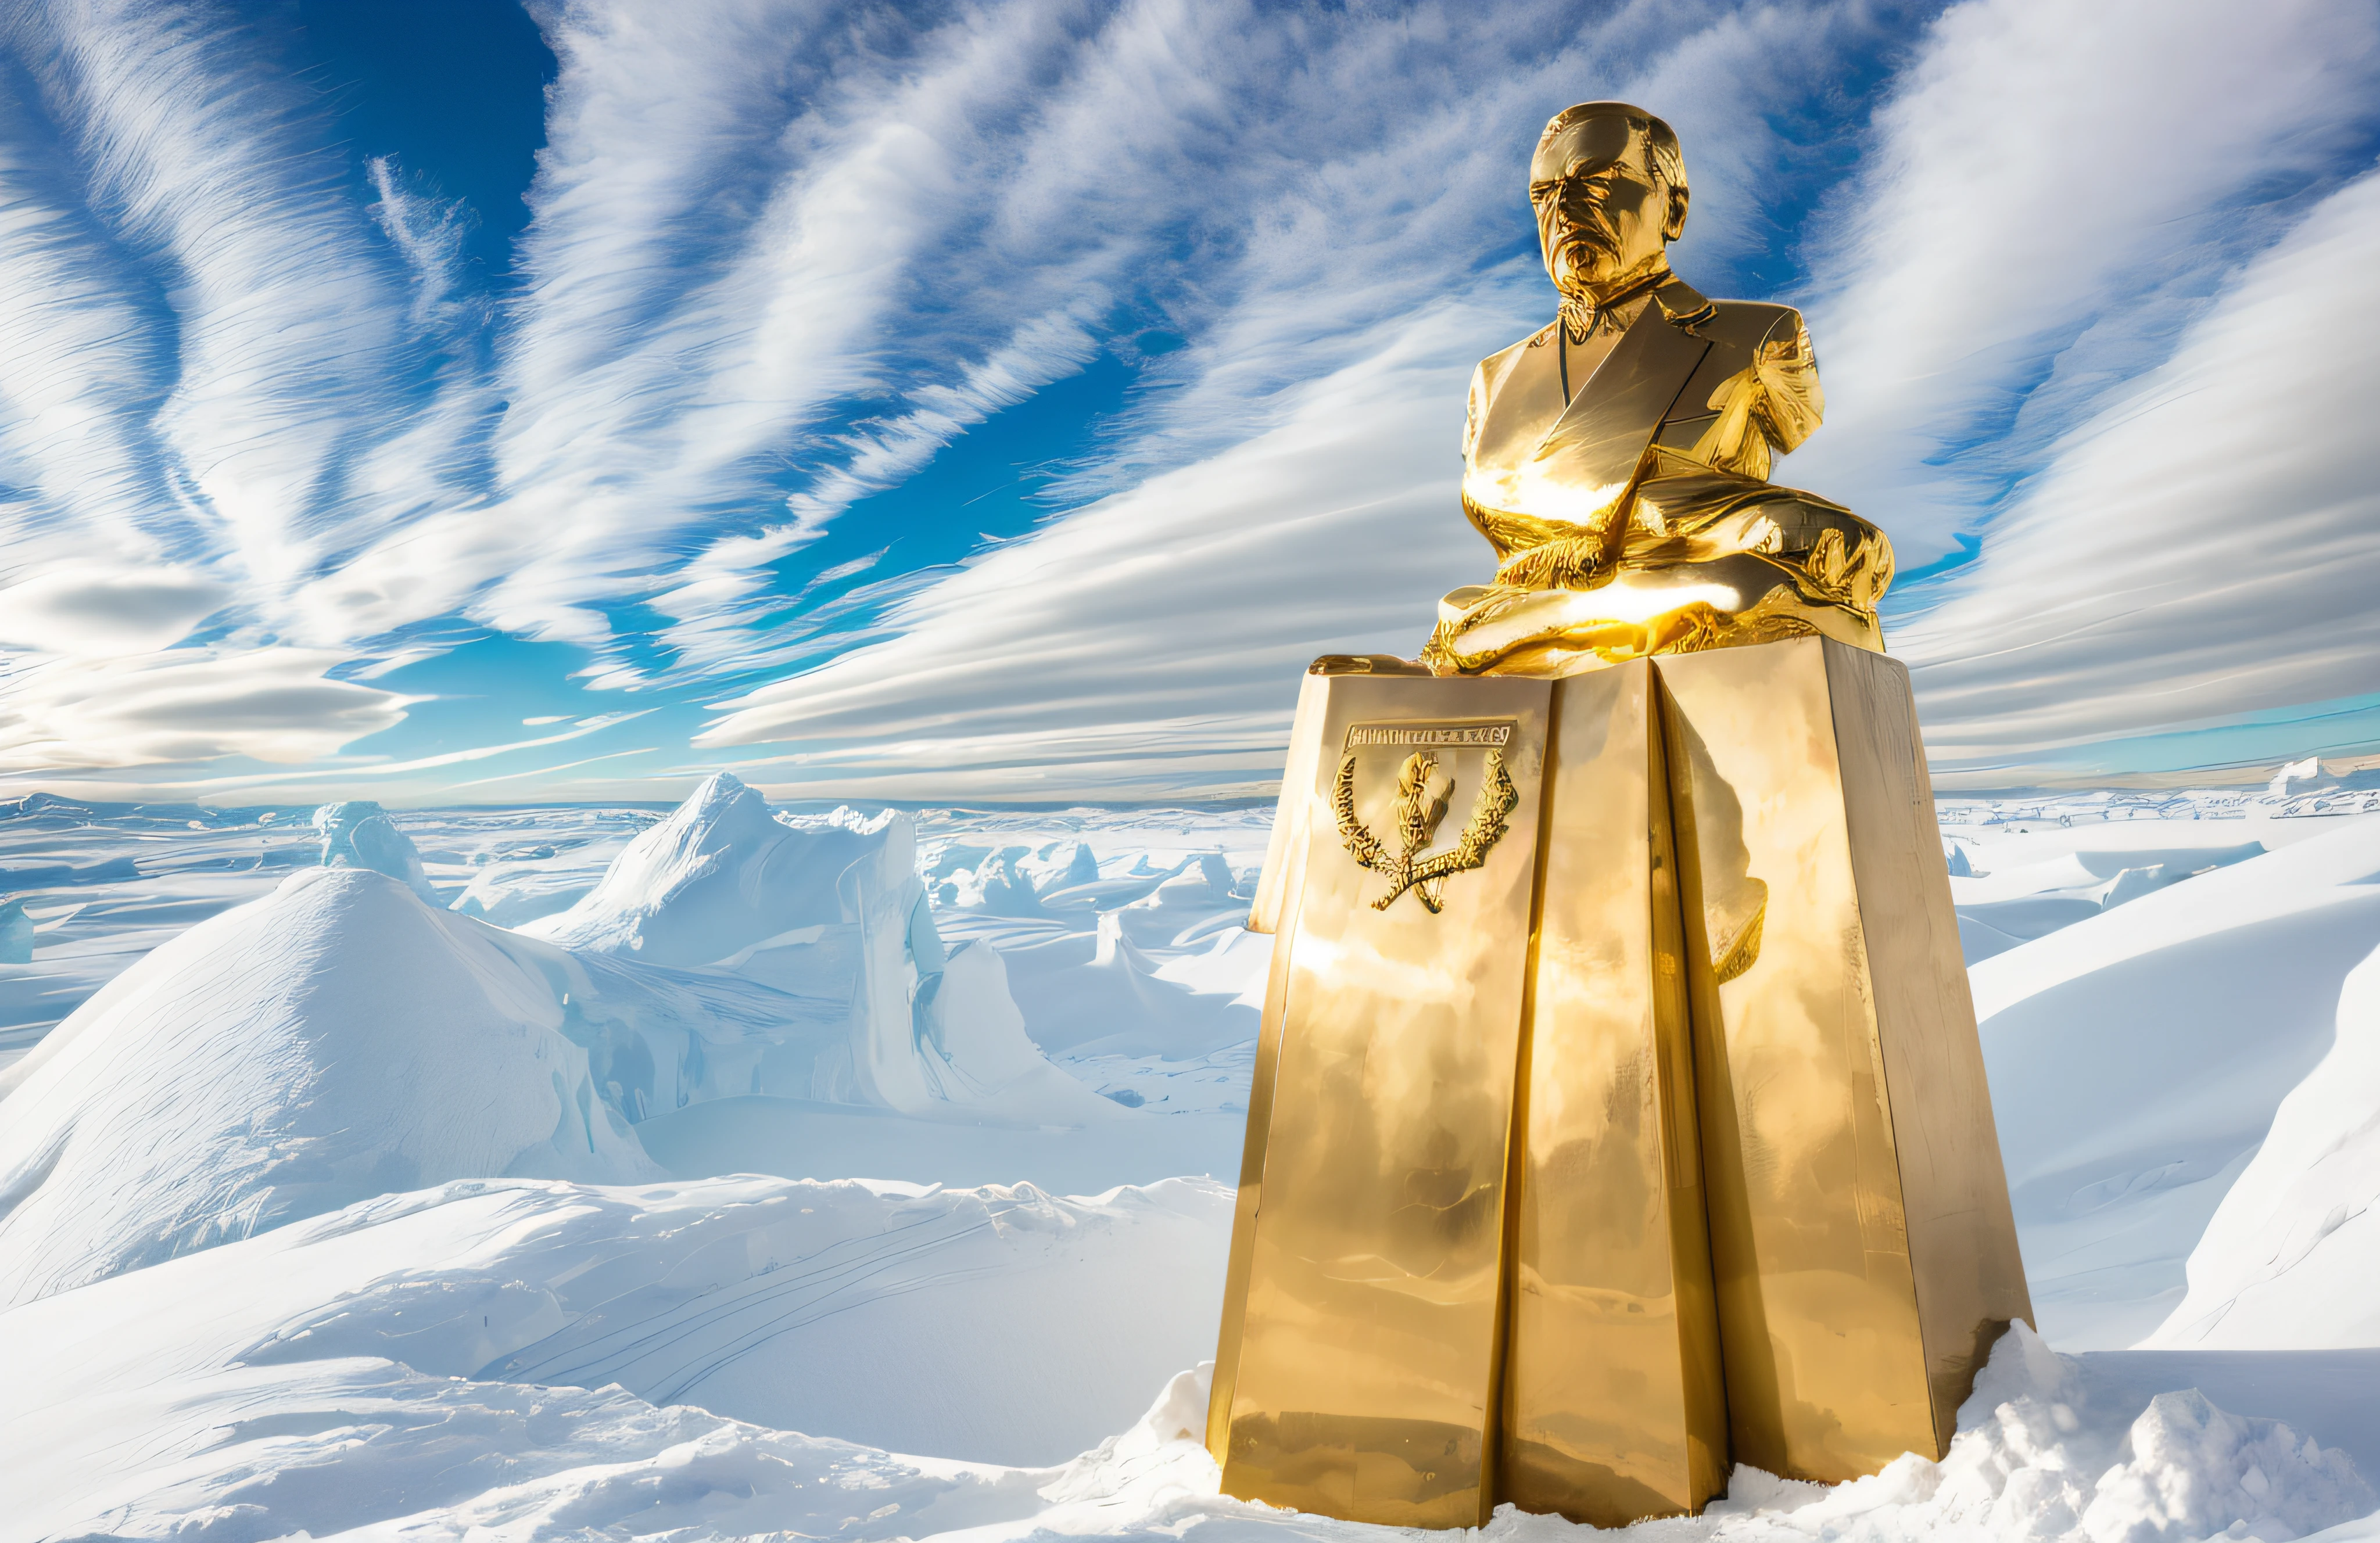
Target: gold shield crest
x: 1422, y: 793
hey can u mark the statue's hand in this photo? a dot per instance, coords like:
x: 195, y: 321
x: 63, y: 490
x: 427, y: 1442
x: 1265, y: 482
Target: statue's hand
x: 1573, y: 563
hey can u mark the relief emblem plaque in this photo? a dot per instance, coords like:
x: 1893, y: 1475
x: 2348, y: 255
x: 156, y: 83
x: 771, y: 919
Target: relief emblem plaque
x: 1423, y: 788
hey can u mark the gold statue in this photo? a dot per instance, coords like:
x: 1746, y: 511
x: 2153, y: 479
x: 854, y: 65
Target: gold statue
x: 1654, y: 1139
x: 1618, y: 459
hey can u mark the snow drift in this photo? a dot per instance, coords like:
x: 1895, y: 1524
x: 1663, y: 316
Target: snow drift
x: 1098, y: 994
x: 369, y: 1342
x: 2292, y: 1254
x: 335, y: 1040
x: 341, y: 1038
x: 1039, y: 1324
x: 2137, y: 1058
x: 332, y: 1375
x: 2039, y: 884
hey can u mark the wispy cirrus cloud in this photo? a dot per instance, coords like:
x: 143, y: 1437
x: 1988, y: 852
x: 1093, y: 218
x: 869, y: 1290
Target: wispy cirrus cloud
x: 2052, y: 193
x: 206, y: 369
x: 83, y: 466
x: 1154, y: 640
x: 2046, y: 203
x: 288, y: 346
x: 1293, y: 490
x: 2204, y: 544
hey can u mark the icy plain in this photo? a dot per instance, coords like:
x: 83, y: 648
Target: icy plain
x: 731, y: 1171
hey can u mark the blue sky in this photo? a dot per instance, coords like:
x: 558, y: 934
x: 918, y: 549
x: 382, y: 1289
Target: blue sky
x: 441, y: 400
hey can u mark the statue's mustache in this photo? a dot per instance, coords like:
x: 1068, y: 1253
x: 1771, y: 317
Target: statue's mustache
x: 1592, y: 232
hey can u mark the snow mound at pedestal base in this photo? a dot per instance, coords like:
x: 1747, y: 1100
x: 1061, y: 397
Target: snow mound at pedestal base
x: 334, y: 1040
x: 2044, y: 1456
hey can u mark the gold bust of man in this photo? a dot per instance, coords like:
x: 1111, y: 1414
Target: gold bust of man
x: 1618, y: 460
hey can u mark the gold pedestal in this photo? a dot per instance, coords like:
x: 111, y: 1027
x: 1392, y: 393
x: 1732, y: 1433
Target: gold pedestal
x: 1366, y: 1290
x: 1613, y: 1408
x: 1745, y: 1079
x: 1861, y: 1234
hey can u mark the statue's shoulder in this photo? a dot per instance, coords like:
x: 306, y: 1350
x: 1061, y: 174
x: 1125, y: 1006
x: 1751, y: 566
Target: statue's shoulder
x: 1495, y: 366
x: 1487, y: 383
x: 1749, y: 323
x: 1759, y: 357
x: 1733, y: 325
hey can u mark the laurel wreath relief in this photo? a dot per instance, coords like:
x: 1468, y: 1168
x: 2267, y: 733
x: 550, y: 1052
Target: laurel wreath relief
x: 1418, y: 812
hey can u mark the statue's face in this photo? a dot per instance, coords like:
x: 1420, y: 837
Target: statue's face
x: 1603, y: 216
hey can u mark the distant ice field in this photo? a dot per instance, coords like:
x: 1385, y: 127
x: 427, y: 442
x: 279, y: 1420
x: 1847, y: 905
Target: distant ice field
x: 104, y: 885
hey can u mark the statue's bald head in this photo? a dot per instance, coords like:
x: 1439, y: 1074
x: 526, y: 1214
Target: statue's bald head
x: 1609, y: 185
x: 1606, y: 131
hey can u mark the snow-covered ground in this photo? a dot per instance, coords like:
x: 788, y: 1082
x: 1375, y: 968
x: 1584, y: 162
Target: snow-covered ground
x: 2182, y: 975
x: 629, y: 1172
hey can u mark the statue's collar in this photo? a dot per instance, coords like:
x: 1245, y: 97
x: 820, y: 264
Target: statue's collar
x: 1680, y: 303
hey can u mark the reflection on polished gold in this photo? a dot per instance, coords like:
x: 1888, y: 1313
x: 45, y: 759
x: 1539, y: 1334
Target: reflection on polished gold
x: 1617, y: 459
x: 1861, y: 1234
x: 1615, y: 1409
x: 1363, y: 1381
